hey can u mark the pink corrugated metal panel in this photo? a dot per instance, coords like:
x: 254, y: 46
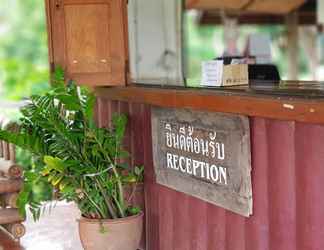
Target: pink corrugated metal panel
x: 257, y: 230
x: 288, y: 193
x: 310, y: 188
x: 281, y: 184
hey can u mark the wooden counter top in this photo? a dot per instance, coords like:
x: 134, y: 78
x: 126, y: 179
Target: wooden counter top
x: 296, y: 101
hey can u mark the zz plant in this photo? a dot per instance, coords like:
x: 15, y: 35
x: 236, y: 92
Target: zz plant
x: 80, y: 161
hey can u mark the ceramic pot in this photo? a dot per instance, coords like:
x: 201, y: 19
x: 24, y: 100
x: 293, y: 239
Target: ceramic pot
x: 135, y: 195
x: 120, y: 234
x: 136, y: 198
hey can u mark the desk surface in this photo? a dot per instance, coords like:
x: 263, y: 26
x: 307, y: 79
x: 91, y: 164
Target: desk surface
x: 295, y: 101
x: 298, y: 89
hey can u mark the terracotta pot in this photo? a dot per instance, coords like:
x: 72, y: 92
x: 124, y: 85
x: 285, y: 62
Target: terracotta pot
x: 136, y: 197
x: 121, y: 234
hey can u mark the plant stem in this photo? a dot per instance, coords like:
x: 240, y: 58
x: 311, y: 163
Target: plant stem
x: 108, y: 202
x: 120, y: 186
x: 119, y: 183
x: 103, y: 215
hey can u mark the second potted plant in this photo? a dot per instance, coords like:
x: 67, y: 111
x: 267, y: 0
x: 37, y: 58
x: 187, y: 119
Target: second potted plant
x: 81, y: 163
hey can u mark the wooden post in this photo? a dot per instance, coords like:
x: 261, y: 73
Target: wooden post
x: 10, y: 216
x: 10, y: 186
x: 308, y: 38
x: 16, y: 230
x: 12, y: 152
x: 1, y: 149
x: 9, y: 169
x: 230, y: 35
x: 9, y: 200
x: 6, y: 150
x: 292, y: 50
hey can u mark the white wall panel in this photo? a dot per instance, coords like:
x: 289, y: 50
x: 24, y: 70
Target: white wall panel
x: 155, y: 41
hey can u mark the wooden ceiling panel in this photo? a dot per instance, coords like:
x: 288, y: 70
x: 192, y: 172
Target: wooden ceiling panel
x: 261, y: 6
x: 216, y: 4
x: 274, y: 6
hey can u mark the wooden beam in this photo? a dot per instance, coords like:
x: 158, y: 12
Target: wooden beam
x: 214, y: 18
x: 245, y: 103
x: 261, y: 6
x: 10, y: 186
x: 274, y: 6
x: 215, y: 4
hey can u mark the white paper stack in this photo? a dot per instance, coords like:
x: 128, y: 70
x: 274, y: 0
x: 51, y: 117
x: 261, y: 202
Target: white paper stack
x: 212, y: 73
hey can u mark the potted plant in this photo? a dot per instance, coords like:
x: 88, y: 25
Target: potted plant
x: 81, y: 163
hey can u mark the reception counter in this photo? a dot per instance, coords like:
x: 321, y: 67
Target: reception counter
x: 287, y: 154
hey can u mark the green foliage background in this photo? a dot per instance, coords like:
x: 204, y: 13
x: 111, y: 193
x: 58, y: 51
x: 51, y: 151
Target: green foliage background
x: 23, y: 64
x: 23, y: 49
x: 205, y: 42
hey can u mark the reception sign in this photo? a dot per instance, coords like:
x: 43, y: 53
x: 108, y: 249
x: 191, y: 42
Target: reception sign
x: 205, y: 155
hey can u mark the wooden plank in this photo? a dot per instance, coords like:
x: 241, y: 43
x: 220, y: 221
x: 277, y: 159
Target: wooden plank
x: 262, y: 6
x: 282, y: 108
x: 274, y: 6
x: 216, y: 4
x: 10, y: 186
x: 7, y: 243
x: 9, y: 199
x: 16, y: 230
x: 214, y: 18
x: 10, y: 169
x: 10, y: 216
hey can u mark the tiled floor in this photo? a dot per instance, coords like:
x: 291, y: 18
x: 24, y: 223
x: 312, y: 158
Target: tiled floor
x: 55, y: 231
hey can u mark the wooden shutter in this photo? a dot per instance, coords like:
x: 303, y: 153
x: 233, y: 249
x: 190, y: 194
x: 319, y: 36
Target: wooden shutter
x: 88, y: 39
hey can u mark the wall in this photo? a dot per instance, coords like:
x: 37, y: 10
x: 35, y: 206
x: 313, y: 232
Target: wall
x: 287, y: 177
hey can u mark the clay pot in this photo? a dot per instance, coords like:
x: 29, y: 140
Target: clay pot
x: 136, y: 197
x: 120, y: 234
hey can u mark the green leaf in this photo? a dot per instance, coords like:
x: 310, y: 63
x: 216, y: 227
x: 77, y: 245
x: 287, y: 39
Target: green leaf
x: 70, y: 102
x: 54, y: 163
x: 58, y: 77
x: 89, y: 106
x: 134, y: 210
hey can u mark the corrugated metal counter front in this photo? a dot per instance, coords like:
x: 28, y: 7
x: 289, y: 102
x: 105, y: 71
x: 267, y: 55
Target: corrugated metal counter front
x: 287, y: 139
